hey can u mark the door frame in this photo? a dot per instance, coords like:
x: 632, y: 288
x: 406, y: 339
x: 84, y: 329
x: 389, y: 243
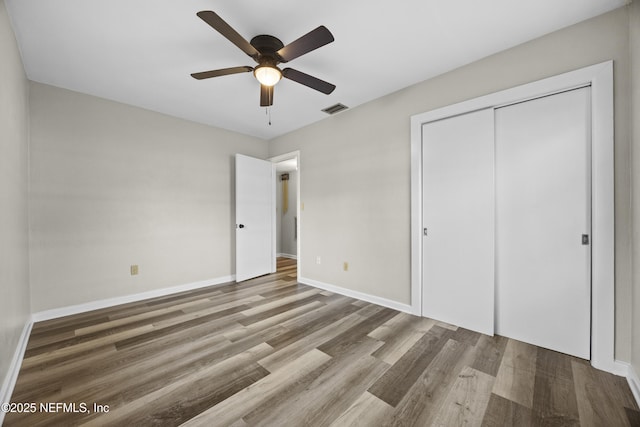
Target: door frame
x: 600, y: 78
x: 278, y: 159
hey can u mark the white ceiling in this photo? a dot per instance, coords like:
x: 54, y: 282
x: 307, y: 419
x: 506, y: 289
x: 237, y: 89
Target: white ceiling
x: 142, y: 52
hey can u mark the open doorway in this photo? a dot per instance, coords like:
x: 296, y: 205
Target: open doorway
x: 286, y: 215
x: 286, y: 239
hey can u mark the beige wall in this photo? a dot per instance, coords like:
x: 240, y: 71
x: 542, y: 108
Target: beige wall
x: 14, y: 137
x: 114, y: 185
x: 355, y: 166
x: 634, y: 49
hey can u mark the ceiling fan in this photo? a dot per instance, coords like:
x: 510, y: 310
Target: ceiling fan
x: 268, y: 52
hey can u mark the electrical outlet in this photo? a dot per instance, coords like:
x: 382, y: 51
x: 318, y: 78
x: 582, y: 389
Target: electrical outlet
x: 345, y: 266
x: 318, y: 260
x: 134, y: 270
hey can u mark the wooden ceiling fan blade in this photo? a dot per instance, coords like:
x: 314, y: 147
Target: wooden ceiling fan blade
x: 305, y: 44
x: 309, y: 81
x: 222, y: 72
x: 225, y: 29
x: 266, y: 96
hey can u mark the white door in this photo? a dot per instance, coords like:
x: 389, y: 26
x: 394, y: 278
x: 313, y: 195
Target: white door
x: 458, y: 215
x: 543, y: 205
x: 255, y: 181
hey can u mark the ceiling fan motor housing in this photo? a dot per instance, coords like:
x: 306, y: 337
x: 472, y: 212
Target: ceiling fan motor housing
x: 267, y: 46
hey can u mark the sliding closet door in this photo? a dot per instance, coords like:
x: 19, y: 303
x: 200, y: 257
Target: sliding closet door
x: 458, y: 216
x: 543, y: 222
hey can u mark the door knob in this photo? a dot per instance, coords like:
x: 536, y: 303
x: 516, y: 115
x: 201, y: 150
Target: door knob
x: 241, y: 226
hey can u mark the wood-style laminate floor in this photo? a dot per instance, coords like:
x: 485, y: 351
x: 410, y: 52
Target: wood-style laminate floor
x: 273, y: 352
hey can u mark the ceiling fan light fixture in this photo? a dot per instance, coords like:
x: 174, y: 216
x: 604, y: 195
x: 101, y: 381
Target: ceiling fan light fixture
x: 267, y: 75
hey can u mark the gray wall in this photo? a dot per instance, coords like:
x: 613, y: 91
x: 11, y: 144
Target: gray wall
x: 356, y: 174
x: 14, y: 232
x: 114, y: 185
x: 634, y: 49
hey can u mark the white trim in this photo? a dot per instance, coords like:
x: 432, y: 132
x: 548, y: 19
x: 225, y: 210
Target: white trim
x: 11, y: 377
x: 110, y: 302
x: 287, y: 256
x: 600, y: 77
x: 634, y: 382
x: 280, y: 158
x: 357, y: 295
x: 274, y: 227
x: 626, y: 370
x: 274, y: 220
x: 416, y: 215
x: 621, y: 368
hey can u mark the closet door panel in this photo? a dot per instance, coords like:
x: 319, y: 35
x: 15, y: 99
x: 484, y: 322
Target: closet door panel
x: 543, y: 209
x: 458, y: 214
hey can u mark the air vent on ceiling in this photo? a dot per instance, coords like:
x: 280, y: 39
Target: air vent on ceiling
x: 335, y: 108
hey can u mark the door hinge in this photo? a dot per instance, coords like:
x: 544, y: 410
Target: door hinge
x: 424, y: 231
x: 585, y: 239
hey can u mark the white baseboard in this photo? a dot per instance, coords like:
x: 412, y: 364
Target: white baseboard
x: 358, y: 295
x: 625, y: 369
x: 283, y: 255
x: 12, y: 374
x: 634, y: 383
x: 615, y: 367
x: 110, y: 302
